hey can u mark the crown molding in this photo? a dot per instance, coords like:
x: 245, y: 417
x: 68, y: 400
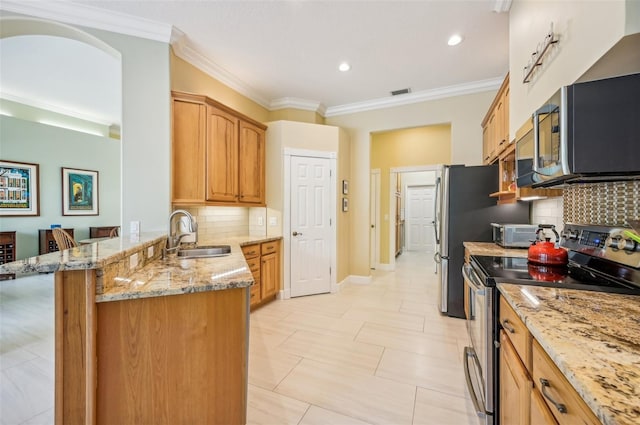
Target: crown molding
x: 39, y: 104
x: 186, y: 51
x: 416, y: 97
x: 92, y: 17
x: 296, y: 103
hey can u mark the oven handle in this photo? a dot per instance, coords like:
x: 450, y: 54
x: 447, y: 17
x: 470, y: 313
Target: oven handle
x: 474, y: 281
x: 469, y: 353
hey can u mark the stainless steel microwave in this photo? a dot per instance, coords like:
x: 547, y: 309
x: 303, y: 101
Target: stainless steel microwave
x: 586, y: 132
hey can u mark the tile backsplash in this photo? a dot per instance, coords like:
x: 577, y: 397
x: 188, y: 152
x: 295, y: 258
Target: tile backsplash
x: 548, y: 211
x: 221, y: 222
x: 609, y: 204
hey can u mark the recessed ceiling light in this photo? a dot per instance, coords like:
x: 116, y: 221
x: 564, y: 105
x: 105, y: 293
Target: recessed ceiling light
x: 344, y: 67
x: 454, y: 40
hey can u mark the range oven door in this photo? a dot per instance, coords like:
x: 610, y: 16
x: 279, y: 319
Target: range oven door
x: 478, y: 357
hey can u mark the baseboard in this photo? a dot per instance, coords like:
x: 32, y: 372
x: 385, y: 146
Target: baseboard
x: 283, y: 294
x: 359, y: 280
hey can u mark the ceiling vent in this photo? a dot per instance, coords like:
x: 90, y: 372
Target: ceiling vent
x: 398, y: 92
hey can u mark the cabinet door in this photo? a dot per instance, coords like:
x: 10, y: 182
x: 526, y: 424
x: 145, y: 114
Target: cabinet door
x: 269, y: 275
x: 188, y: 152
x: 515, y: 386
x: 485, y: 144
x: 540, y: 413
x: 222, y: 156
x: 251, y: 164
x: 559, y: 395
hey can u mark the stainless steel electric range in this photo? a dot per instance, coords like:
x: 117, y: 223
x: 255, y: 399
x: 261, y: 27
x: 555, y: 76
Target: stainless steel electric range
x: 601, y: 258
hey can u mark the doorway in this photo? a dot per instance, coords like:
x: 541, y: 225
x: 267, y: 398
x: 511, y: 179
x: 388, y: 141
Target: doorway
x: 419, y: 231
x: 309, y: 223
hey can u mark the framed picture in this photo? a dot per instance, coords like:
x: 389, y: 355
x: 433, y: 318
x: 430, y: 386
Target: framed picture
x: 79, y: 192
x: 19, y: 189
x: 345, y: 187
x: 345, y: 205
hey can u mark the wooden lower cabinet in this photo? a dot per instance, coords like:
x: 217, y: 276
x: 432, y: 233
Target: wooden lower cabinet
x: 178, y: 359
x: 558, y: 394
x: 540, y: 413
x: 264, y: 262
x: 532, y: 388
x: 515, y: 386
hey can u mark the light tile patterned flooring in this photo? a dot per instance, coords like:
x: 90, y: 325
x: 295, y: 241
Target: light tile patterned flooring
x: 370, y: 354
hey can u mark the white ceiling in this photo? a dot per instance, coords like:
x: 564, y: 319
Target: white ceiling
x: 286, y: 53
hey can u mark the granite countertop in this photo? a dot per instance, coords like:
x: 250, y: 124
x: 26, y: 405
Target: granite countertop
x: 593, y: 338
x: 174, y: 276
x: 84, y: 257
x: 157, y: 276
x: 490, y: 248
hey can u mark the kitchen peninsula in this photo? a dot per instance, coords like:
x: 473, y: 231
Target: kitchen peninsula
x: 144, y: 339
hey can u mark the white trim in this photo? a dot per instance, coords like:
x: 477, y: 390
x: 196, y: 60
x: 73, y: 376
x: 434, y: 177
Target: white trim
x: 296, y: 103
x: 360, y: 280
x: 93, y: 17
x: 415, y: 168
x: 309, y: 153
x: 374, y: 243
x: 121, y: 23
x: 420, y: 96
x: 393, y: 181
x: 186, y: 51
x: 286, y: 219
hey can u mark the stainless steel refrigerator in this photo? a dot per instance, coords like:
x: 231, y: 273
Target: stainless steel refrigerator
x: 464, y: 211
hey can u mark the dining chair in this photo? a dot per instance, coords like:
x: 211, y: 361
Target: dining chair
x: 63, y: 239
x: 114, y: 232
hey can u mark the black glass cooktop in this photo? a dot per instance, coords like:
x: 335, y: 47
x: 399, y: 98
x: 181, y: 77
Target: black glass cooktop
x: 582, y: 272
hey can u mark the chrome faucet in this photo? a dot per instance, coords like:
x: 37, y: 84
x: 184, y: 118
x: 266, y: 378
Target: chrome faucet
x: 173, y: 241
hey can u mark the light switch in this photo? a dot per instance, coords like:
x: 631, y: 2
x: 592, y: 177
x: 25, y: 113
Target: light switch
x: 260, y: 220
x: 134, y: 228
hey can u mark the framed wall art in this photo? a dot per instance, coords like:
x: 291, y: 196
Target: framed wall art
x: 19, y: 189
x: 79, y: 192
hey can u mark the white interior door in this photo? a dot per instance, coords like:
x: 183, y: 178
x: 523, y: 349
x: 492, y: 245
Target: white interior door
x: 310, y: 225
x: 374, y: 214
x: 419, y: 218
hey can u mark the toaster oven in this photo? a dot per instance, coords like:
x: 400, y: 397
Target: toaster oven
x: 514, y: 235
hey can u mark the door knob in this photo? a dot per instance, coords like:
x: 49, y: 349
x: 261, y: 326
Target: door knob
x: 297, y: 233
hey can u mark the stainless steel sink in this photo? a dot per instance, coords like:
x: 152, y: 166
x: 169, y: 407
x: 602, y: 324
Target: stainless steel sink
x: 205, y: 251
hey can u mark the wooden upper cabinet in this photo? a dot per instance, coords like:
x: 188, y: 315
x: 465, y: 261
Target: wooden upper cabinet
x: 222, y: 156
x: 218, y: 154
x: 495, y: 125
x: 251, y: 160
x: 188, y: 152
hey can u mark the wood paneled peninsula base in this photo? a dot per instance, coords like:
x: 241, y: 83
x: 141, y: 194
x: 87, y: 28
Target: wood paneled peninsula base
x: 145, y: 340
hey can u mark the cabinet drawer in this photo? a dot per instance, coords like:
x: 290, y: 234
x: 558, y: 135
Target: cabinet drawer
x: 254, y: 265
x: 558, y: 389
x: 251, y: 251
x: 255, y: 293
x: 517, y: 332
x: 269, y: 247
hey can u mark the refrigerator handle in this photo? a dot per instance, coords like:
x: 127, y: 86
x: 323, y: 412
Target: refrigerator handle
x: 436, y: 206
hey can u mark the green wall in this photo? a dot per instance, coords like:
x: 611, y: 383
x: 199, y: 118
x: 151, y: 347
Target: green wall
x: 53, y: 148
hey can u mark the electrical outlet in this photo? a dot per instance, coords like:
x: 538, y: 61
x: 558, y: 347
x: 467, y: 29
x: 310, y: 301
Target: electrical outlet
x: 150, y: 252
x: 273, y: 221
x: 260, y: 220
x: 133, y: 261
x: 135, y: 228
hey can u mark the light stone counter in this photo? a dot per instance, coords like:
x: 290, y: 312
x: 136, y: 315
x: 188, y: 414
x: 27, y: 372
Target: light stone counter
x: 593, y: 338
x: 490, y: 248
x: 129, y: 268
